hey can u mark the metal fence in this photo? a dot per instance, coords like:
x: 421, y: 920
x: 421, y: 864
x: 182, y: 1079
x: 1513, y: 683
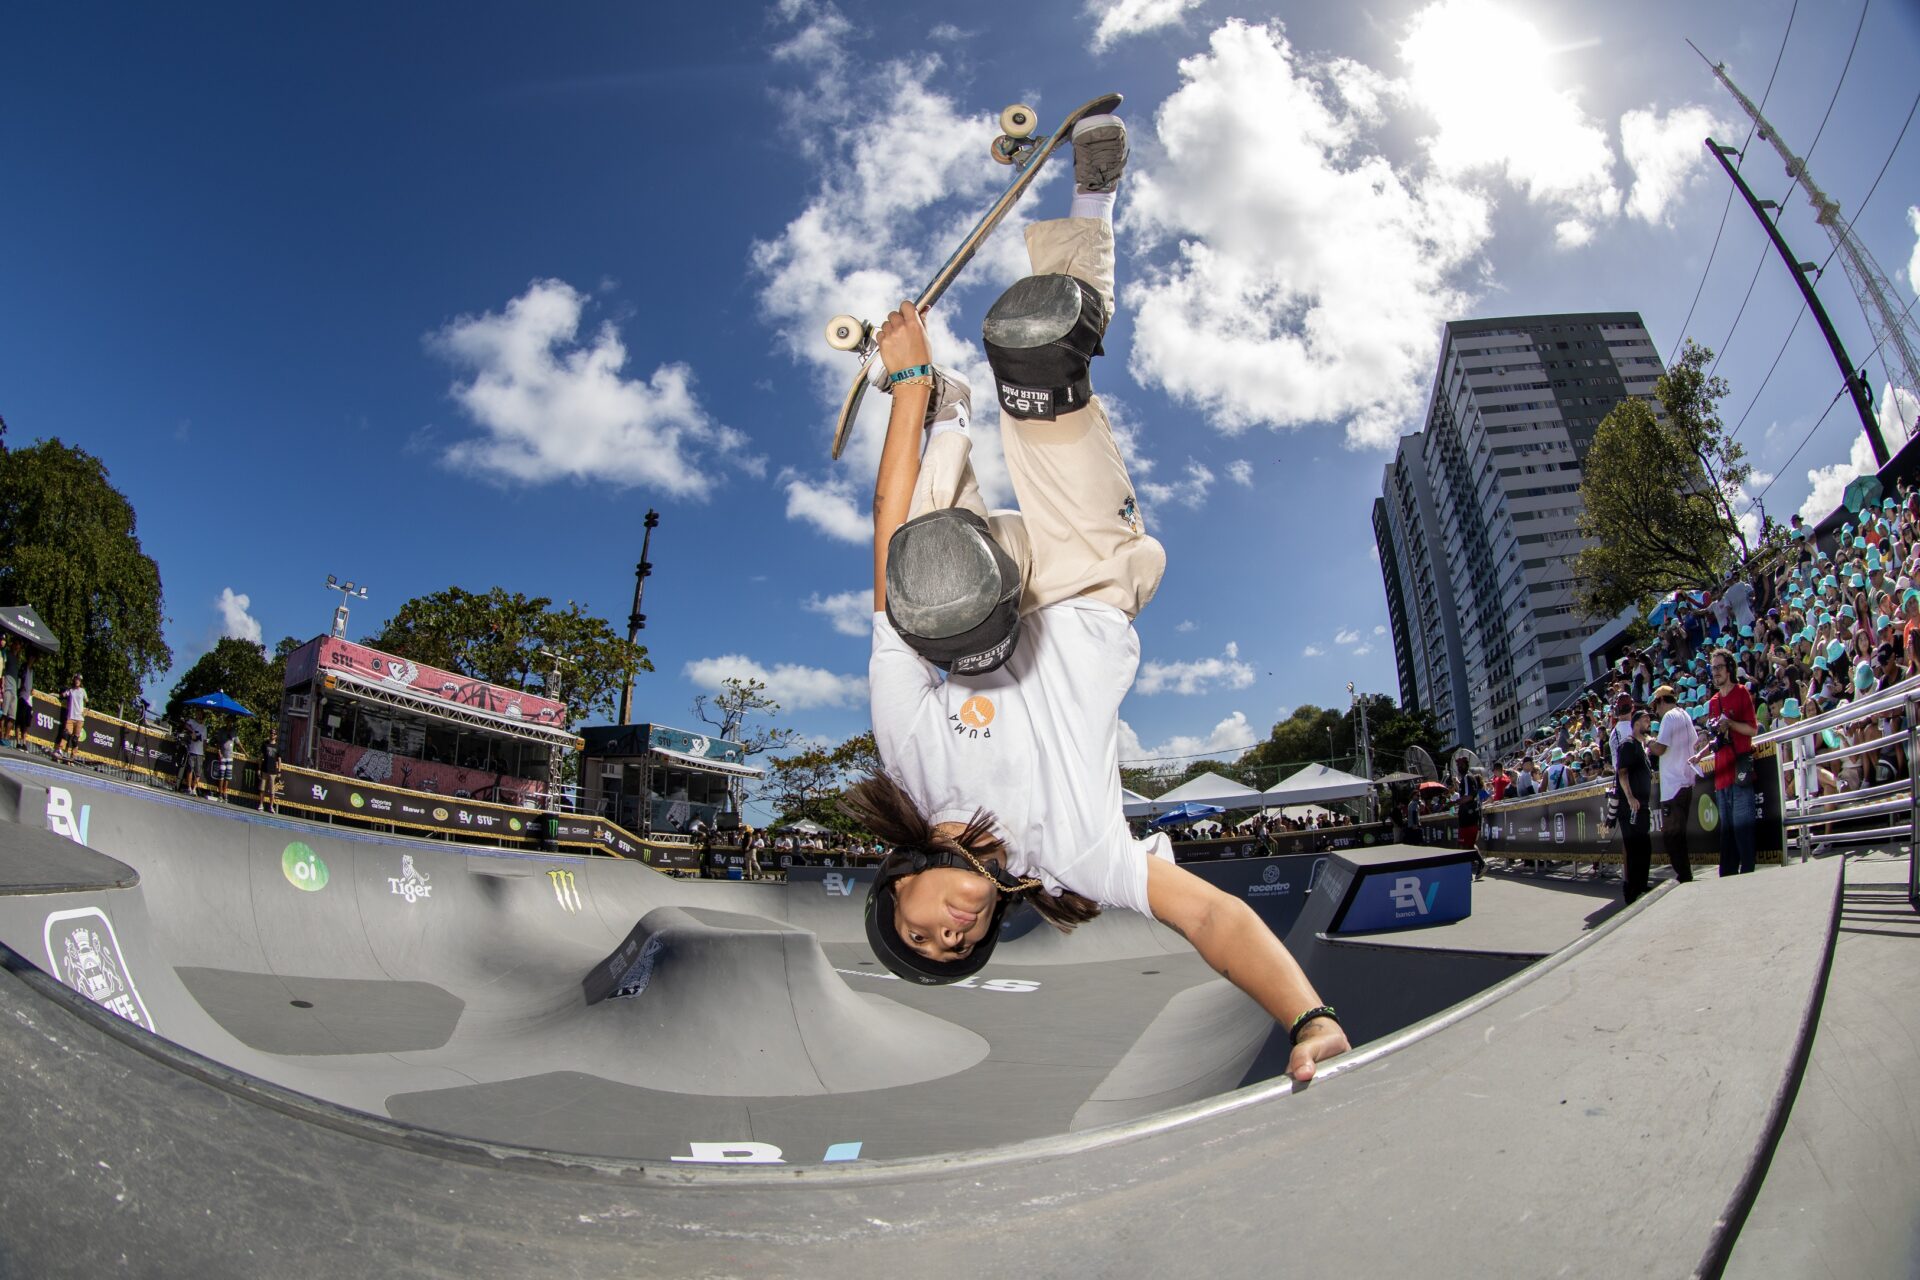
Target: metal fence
x: 1877, y: 813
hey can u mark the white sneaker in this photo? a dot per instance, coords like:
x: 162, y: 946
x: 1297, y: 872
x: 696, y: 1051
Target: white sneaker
x: 1099, y: 153
x: 951, y: 402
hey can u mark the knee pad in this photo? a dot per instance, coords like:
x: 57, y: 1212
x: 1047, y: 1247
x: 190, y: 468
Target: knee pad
x: 1041, y: 336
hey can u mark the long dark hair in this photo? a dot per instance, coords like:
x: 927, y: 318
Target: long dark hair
x: 883, y: 807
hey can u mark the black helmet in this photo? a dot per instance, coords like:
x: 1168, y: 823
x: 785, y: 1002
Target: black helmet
x: 892, y: 949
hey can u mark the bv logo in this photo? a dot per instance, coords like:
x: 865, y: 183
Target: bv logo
x: 837, y: 885
x: 60, y: 816
x: 1407, y: 896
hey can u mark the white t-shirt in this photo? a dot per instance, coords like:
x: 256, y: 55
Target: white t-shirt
x: 196, y: 738
x: 1739, y: 598
x: 1679, y: 737
x: 76, y: 704
x: 1036, y: 743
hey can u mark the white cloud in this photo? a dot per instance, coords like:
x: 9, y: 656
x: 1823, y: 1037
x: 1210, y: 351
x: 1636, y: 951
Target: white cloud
x: 1190, y: 492
x: 850, y: 612
x: 552, y: 405
x: 1122, y: 18
x: 1313, y: 651
x: 1231, y: 734
x: 1202, y: 675
x: 1496, y: 92
x: 901, y: 172
x: 1311, y: 279
x: 235, y: 621
x: 828, y: 505
x: 1347, y: 635
x: 1913, y: 262
x: 1187, y: 626
x: 1897, y: 411
x: 1380, y: 630
x: 794, y: 687
x: 1664, y: 153
x: 1571, y: 233
x: 1363, y: 651
x: 1242, y: 472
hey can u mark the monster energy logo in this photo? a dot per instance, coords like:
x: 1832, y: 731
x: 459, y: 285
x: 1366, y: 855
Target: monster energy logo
x: 565, y: 891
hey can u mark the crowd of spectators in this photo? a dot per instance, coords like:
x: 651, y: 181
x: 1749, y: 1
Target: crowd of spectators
x: 1802, y: 630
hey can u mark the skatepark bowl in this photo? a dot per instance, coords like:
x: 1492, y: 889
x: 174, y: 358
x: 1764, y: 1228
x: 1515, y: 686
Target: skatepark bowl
x: 237, y: 1044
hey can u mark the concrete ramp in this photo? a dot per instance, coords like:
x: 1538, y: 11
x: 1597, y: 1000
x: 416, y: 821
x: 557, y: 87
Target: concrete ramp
x: 714, y: 1002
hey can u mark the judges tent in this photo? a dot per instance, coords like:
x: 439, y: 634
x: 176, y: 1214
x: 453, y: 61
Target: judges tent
x: 1316, y: 784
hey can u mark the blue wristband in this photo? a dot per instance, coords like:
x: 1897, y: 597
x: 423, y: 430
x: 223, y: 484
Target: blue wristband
x: 918, y: 371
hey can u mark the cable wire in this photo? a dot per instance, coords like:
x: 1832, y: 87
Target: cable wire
x: 1754, y: 501
x: 1857, y: 211
x: 1805, y: 158
x: 1704, y: 271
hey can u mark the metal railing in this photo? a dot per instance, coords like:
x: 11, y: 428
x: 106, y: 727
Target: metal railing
x: 1880, y: 813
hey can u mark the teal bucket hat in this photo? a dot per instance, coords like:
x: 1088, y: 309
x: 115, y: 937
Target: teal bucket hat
x: 1790, y: 709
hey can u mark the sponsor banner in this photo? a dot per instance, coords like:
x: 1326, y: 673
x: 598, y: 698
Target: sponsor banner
x: 367, y: 764
x: 371, y: 802
x: 1281, y: 843
x: 328, y: 654
x: 110, y: 740
x: 631, y: 740
x: 1402, y: 899
x: 1570, y: 824
x: 832, y: 883
x: 1276, y: 888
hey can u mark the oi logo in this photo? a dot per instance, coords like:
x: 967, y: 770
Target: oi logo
x: 303, y: 868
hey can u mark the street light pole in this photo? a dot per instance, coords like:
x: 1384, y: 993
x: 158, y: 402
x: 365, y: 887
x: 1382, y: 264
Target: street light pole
x: 637, y: 621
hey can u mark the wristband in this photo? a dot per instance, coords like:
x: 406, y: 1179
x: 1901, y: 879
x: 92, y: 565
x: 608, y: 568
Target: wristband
x: 1318, y: 1011
x: 918, y: 371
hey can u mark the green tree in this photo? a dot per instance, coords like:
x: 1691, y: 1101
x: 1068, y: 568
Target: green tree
x: 499, y: 637
x: 808, y: 784
x: 242, y: 670
x: 69, y: 549
x: 1658, y: 495
x: 728, y: 711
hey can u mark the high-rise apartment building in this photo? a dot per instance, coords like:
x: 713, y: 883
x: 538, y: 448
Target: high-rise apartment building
x: 1477, y: 518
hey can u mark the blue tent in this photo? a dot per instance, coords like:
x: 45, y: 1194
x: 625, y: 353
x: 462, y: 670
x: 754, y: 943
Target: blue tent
x: 218, y: 701
x: 1186, y: 812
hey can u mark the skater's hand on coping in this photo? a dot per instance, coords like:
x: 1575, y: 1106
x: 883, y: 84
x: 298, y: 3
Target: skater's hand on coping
x: 1319, y: 1040
x: 903, y: 339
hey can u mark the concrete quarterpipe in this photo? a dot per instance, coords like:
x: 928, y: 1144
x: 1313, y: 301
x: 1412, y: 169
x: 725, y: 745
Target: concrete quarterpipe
x: 414, y: 1056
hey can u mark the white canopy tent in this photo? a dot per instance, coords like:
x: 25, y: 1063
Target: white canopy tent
x: 1208, y: 788
x: 1317, y: 784
x: 1304, y: 811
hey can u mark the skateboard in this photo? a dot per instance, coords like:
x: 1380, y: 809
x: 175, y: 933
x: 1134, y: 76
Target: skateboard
x: 1016, y: 146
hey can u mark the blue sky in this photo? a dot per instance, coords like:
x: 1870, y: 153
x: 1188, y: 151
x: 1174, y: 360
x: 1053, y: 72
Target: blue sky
x: 452, y: 294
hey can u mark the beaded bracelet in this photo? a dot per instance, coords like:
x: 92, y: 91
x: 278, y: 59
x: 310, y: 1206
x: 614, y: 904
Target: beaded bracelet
x: 1318, y: 1011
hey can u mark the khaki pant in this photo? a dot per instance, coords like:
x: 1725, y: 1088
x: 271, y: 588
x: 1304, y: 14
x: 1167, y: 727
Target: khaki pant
x: 1078, y: 531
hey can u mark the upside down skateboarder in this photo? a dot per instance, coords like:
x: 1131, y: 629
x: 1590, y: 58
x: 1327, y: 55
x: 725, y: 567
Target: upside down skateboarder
x: 1003, y: 644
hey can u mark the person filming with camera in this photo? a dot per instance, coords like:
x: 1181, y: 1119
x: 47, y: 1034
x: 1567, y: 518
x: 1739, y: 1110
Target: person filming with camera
x: 1730, y: 728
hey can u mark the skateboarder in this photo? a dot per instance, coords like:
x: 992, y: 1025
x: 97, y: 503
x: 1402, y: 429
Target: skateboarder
x: 1001, y: 780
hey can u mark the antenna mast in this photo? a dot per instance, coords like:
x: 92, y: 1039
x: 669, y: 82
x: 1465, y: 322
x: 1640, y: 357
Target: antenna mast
x: 1895, y: 335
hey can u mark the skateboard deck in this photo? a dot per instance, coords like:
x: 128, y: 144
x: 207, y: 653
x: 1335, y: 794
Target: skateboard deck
x: 1035, y: 156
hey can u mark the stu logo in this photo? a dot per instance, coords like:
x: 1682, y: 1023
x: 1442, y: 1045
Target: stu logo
x: 60, y: 816
x: 1407, y: 898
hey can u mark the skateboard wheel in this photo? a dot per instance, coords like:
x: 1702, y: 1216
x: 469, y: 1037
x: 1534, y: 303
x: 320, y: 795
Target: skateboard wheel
x: 1018, y: 121
x: 844, y: 333
x: 1005, y: 148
